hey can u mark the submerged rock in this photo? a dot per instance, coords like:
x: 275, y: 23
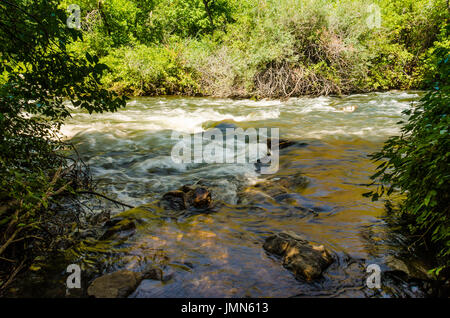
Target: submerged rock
x: 115, y: 285
x: 304, y: 259
x: 119, y: 228
x: 414, y: 269
x: 273, y: 188
x: 123, y: 282
x: 283, y: 143
x: 222, y: 125
x: 99, y: 218
x: 154, y: 273
x: 187, y: 197
x: 292, y: 182
x: 174, y: 200
x: 224, y: 188
x: 199, y: 198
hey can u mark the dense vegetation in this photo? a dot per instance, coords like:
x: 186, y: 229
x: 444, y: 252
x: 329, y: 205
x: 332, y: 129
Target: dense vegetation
x: 417, y: 164
x: 38, y: 73
x: 262, y: 48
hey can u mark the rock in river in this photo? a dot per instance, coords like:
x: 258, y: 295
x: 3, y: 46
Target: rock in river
x: 122, y: 283
x: 283, y: 143
x: 115, y: 285
x: 186, y: 197
x: 273, y: 187
x: 304, y: 259
x: 174, y: 200
x: 119, y: 228
x: 199, y: 197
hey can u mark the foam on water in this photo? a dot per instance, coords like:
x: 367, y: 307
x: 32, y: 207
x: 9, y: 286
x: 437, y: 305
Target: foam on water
x: 189, y: 114
x: 134, y: 144
x: 180, y: 119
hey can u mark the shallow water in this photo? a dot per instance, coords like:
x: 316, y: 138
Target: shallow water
x: 220, y: 254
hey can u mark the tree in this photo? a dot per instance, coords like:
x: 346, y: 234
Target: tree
x: 416, y: 164
x: 38, y: 77
x: 207, y: 4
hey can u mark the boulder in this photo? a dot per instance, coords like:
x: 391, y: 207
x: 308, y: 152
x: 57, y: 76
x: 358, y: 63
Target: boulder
x: 174, y: 200
x: 123, y: 282
x: 306, y: 260
x: 187, y: 197
x: 223, y: 190
x: 119, y: 284
x: 199, y: 198
x: 274, y: 187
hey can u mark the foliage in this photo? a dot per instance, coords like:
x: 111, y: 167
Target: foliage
x: 38, y: 76
x: 417, y: 164
x: 402, y: 50
x: 190, y: 18
x: 264, y: 48
x: 147, y: 70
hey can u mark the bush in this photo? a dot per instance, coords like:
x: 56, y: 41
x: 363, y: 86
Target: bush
x: 417, y: 164
x: 148, y: 70
x: 190, y: 18
x: 266, y: 48
x: 38, y: 75
x: 273, y: 51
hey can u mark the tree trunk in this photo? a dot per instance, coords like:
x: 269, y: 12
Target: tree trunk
x: 206, y: 3
x: 103, y: 15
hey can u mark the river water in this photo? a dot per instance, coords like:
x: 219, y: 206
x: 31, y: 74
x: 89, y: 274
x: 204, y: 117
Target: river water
x: 220, y: 254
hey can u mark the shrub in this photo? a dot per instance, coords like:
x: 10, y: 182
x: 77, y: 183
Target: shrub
x: 38, y: 75
x: 266, y: 48
x: 417, y: 164
x: 148, y: 70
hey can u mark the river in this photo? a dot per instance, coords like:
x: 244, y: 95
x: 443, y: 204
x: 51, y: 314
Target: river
x: 220, y: 254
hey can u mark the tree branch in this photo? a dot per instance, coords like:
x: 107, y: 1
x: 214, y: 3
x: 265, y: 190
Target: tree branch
x: 105, y: 197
